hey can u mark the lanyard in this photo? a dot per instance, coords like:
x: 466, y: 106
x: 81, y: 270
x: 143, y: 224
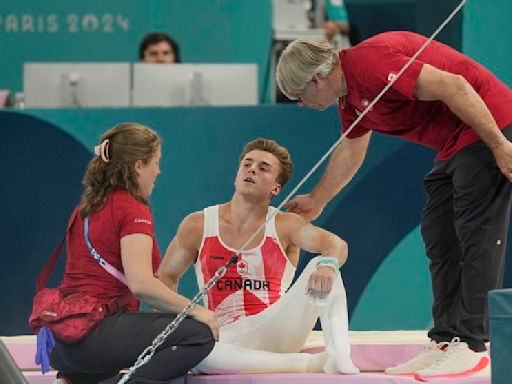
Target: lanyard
x: 101, y: 261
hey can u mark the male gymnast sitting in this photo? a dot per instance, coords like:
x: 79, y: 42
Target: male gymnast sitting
x: 263, y: 324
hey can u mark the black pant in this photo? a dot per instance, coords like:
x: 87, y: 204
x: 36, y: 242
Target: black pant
x: 120, y: 338
x: 464, y: 227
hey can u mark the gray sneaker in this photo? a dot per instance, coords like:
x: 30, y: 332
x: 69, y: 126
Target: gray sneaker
x: 429, y: 356
x: 458, y: 360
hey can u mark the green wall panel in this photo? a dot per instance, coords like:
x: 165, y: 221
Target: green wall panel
x: 401, y: 285
x: 208, y: 31
x: 486, y: 35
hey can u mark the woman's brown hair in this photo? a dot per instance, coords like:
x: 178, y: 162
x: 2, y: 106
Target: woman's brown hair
x: 127, y: 143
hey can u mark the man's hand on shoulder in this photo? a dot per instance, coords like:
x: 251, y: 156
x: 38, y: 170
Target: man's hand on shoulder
x: 305, y: 206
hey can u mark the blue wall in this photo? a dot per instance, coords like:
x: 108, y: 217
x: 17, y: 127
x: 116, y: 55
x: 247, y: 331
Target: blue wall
x: 486, y: 35
x: 422, y: 16
x: 44, y: 154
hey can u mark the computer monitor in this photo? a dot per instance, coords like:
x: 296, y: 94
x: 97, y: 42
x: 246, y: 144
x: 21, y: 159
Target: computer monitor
x: 194, y: 84
x: 289, y: 15
x: 76, y: 84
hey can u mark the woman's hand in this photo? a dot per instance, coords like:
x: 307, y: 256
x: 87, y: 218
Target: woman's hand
x: 207, y: 317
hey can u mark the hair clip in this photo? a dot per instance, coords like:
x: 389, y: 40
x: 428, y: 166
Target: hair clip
x: 102, y: 150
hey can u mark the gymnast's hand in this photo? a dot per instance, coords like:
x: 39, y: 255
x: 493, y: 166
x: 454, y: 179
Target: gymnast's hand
x: 320, y: 281
x: 305, y: 206
x: 207, y: 317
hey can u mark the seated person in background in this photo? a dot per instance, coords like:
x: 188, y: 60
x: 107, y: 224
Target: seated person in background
x: 337, y: 22
x: 263, y: 325
x: 158, y: 47
x: 118, y: 183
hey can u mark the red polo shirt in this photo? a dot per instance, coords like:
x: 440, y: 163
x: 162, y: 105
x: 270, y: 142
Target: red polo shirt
x: 121, y: 215
x: 370, y: 65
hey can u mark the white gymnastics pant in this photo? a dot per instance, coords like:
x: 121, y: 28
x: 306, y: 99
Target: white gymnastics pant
x: 270, y: 341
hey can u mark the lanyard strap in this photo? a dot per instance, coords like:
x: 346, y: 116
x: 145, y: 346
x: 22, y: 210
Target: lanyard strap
x: 101, y: 261
x: 45, y: 273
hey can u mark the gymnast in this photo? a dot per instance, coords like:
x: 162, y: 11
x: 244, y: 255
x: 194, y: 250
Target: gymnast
x: 263, y: 321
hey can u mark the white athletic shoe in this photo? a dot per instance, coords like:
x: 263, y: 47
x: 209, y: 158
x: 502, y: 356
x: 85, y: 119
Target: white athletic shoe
x: 458, y: 360
x: 429, y: 356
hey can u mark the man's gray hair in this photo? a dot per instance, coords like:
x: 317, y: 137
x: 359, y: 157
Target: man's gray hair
x: 301, y: 61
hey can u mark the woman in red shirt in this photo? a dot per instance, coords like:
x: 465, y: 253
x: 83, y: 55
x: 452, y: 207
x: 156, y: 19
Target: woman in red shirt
x: 118, y: 183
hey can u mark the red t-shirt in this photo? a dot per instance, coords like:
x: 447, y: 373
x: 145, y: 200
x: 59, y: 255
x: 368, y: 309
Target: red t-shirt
x: 370, y: 66
x: 121, y: 215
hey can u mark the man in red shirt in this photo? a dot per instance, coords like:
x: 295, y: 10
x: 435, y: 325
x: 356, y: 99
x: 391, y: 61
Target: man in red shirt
x: 452, y: 104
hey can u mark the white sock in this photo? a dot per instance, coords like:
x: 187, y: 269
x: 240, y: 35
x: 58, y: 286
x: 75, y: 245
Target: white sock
x: 337, y: 348
x: 334, y: 320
